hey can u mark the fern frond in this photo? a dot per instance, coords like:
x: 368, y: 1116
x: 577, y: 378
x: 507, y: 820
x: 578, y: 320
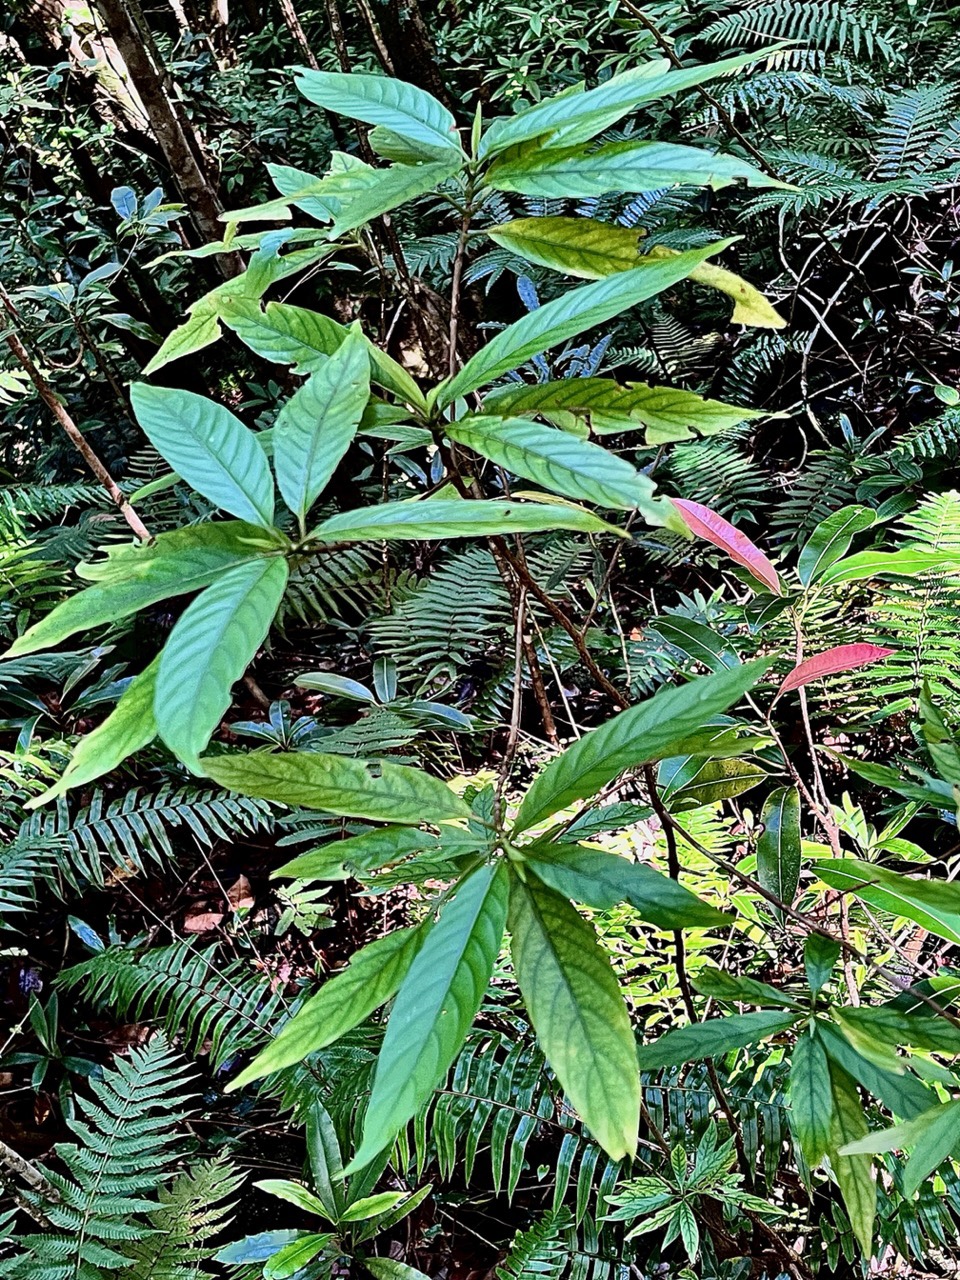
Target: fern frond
x: 194, y: 1208
x: 191, y: 992
x: 541, y: 1251
x: 831, y: 25
x: 23, y: 865
x: 915, y: 131
x: 137, y: 827
x: 128, y: 1140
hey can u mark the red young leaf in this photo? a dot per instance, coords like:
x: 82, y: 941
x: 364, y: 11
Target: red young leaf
x: 844, y: 657
x: 707, y: 524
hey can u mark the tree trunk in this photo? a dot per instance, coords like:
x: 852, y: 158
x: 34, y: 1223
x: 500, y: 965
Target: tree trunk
x: 172, y: 129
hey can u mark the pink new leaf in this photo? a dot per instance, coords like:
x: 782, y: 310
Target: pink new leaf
x: 845, y: 657
x: 707, y: 524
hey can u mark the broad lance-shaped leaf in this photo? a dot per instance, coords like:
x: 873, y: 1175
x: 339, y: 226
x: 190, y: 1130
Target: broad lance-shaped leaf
x: 212, y: 644
x: 579, y: 172
x: 602, y: 880
x: 371, y: 979
x: 565, y: 317
x: 845, y: 657
x: 563, y: 464
x: 394, y: 186
x: 457, y: 518
x: 899, y: 564
x: 650, y: 731
x: 933, y: 904
x: 436, y: 1005
x: 854, y: 1173
x: 713, y: 1037
x: 570, y: 117
x: 128, y: 728
x: 210, y: 447
x: 315, y: 428
x: 577, y: 1010
x: 304, y: 339
x: 778, y: 846
x: 590, y: 249
x: 729, y: 989
x: 811, y: 1107
x: 706, y: 524
x: 381, y: 792
x: 933, y: 1135
x: 898, y: 1088
x: 667, y: 412
x: 403, y: 108
x: 831, y: 539
x: 133, y: 577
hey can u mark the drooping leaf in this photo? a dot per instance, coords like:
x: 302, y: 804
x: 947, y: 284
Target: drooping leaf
x: 133, y: 577
x: 854, y: 1173
x: 404, y: 109
x: 344, y: 1001
x: 456, y: 518
x: 339, y: 784
x: 210, y: 447
x: 129, y: 727
x: 820, y: 955
x: 933, y: 904
x: 811, y: 1099
x: 889, y: 1026
x: 778, y: 846
x: 583, y: 247
x: 845, y: 657
x: 577, y: 117
x: 565, y: 317
x: 713, y: 1037
x: 831, y: 539
x: 391, y: 187
x: 649, y: 731
x: 315, y: 428
x: 578, y: 1013
x: 714, y: 528
x: 601, y: 880
x: 435, y: 1006
x: 294, y: 1193
x: 210, y: 647
x: 898, y: 1089
x: 563, y: 464
x: 668, y: 413
x: 732, y: 989
x: 750, y: 307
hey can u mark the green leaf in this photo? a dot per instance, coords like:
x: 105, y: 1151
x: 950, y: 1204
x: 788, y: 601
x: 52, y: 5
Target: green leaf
x: 820, y: 955
x: 436, y: 1005
x: 647, y: 732
x: 668, y: 413
x: 341, y: 859
x: 899, y: 1090
x: 601, y: 880
x: 581, y: 247
x: 456, y: 518
x: 293, y: 1258
x: 129, y: 727
x: 344, y: 1001
x: 724, y: 986
x: 326, y: 1161
x: 578, y: 172
x: 711, y: 1038
x: 854, y: 1173
x: 933, y: 1135
x: 778, y: 846
x: 210, y: 647
x: 294, y: 1193
x: 811, y: 1105
x: 565, y: 317
x: 404, y: 109
x: 695, y: 782
x: 372, y: 1206
x: 390, y: 188
x: 576, y: 117
x: 210, y: 447
x: 304, y: 339
x: 201, y: 329
x: 338, y: 784
x: 563, y: 464
x: 933, y: 904
x: 391, y: 1269
x: 578, y: 1013
x: 133, y: 577
x: 315, y: 428
x: 889, y: 1027
x: 875, y: 564
x: 831, y: 539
